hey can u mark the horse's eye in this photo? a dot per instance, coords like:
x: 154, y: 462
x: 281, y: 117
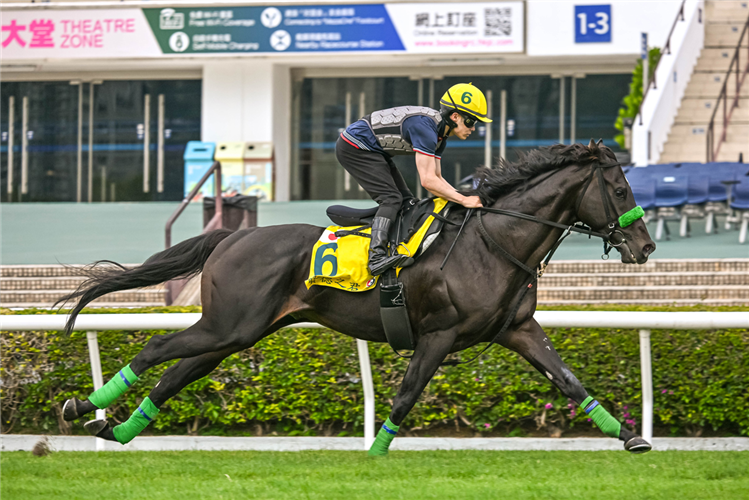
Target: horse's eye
x: 620, y: 193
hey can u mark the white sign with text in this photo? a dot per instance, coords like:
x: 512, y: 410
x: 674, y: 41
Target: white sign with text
x: 41, y: 34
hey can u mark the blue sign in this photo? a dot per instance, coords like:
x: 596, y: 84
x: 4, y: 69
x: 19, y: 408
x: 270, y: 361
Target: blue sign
x: 257, y: 29
x: 394, y: 27
x: 592, y: 23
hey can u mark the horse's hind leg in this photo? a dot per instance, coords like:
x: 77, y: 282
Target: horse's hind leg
x: 531, y: 342
x: 193, y: 341
x: 176, y: 377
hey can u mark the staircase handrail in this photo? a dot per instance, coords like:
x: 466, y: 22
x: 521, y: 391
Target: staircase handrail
x: 175, y: 286
x: 666, y: 50
x: 660, y: 106
x: 712, y: 148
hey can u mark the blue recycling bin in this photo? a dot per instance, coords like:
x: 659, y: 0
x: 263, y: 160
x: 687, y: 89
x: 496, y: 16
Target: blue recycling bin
x: 198, y: 159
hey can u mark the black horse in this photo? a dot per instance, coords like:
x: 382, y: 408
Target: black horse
x: 253, y: 284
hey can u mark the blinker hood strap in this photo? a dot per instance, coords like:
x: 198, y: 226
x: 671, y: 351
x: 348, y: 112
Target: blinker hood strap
x: 629, y: 217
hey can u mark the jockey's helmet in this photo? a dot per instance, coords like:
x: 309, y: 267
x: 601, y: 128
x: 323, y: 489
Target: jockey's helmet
x: 465, y: 99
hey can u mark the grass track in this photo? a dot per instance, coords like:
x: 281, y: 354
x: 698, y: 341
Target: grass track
x: 331, y: 475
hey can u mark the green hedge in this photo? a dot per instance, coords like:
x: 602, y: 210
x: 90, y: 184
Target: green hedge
x: 306, y: 382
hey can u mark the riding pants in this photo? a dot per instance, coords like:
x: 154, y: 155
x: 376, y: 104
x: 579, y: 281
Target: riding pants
x: 377, y: 175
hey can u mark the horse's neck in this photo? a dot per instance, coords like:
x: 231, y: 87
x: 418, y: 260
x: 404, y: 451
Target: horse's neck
x: 552, y: 199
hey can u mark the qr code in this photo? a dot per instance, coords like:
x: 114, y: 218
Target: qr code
x: 498, y: 22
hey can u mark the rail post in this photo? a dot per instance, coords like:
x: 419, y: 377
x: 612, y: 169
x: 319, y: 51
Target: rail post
x: 647, y: 386
x: 95, y: 359
x: 368, y: 386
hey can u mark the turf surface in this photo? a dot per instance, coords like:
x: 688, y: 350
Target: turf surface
x: 352, y: 475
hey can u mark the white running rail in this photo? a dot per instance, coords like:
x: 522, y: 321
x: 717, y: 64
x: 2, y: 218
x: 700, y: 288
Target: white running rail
x: 658, y: 111
x: 643, y: 321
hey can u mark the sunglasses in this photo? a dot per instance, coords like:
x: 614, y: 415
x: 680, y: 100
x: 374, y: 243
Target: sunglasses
x: 469, y: 121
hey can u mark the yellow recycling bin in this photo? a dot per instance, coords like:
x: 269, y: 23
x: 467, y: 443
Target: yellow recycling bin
x: 258, y: 170
x: 230, y: 155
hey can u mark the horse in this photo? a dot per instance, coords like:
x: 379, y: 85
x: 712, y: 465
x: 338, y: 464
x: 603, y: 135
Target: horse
x: 253, y: 285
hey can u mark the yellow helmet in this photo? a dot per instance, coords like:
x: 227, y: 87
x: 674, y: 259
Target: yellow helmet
x: 465, y: 98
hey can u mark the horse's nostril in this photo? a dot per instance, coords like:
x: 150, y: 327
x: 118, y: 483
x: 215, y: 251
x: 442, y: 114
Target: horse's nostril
x: 648, y: 249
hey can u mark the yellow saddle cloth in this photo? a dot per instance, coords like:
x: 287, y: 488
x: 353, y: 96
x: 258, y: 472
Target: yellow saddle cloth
x: 341, y: 262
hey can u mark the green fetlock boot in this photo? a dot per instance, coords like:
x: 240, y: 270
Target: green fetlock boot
x: 139, y: 420
x: 384, y: 438
x: 113, y: 389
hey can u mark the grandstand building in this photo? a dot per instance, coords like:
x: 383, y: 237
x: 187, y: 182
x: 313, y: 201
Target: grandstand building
x: 87, y: 87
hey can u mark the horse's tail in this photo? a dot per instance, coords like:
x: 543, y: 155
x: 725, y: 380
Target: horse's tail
x: 183, y: 260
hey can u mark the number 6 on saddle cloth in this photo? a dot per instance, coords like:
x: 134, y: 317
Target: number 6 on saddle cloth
x: 339, y: 257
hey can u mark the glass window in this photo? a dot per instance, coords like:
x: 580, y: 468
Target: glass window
x: 117, y: 138
x: 532, y: 122
x: 599, y: 98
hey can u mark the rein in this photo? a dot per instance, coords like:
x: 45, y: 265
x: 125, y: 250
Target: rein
x: 622, y: 221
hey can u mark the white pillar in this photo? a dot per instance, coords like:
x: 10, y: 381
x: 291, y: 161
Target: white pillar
x: 369, y: 402
x: 250, y: 101
x: 647, y: 386
x: 95, y: 359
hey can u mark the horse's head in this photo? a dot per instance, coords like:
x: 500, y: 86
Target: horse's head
x: 607, y: 205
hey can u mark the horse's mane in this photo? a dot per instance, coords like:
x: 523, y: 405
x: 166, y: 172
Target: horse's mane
x: 506, y: 176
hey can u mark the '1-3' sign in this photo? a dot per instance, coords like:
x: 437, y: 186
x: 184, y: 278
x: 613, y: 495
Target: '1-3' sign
x: 592, y: 23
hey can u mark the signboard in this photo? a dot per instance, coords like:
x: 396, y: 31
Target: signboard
x: 592, y: 23
x: 73, y: 34
x: 152, y: 32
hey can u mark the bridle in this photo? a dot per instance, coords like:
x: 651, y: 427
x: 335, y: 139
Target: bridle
x: 613, y: 238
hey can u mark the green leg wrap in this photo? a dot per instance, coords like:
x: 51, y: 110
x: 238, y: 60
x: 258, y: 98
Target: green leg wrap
x: 113, y: 389
x: 384, y: 438
x: 139, y: 420
x: 603, y: 419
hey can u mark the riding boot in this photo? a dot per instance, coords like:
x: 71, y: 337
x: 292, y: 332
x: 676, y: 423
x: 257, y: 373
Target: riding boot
x: 379, y: 261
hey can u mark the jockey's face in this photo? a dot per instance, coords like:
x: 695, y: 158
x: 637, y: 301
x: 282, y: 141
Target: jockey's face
x: 461, y: 131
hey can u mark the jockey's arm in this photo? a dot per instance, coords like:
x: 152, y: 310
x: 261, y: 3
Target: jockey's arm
x: 431, y: 179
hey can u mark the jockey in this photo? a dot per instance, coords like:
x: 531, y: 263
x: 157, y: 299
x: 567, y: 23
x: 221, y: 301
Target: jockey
x: 366, y: 147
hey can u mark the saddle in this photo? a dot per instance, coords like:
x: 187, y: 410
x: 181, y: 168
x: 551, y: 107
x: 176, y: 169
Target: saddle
x: 413, y: 214
x: 411, y: 217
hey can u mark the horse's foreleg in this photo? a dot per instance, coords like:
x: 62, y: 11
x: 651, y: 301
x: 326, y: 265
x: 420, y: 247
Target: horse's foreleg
x: 531, y: 342
x: 429, y: 353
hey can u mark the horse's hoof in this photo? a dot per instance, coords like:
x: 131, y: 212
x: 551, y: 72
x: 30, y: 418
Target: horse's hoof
x: 75, y: 408
x: 637, y: 445
x: 100, y: 429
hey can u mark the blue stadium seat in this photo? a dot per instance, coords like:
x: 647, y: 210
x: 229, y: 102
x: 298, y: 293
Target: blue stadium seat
x: 741, y: 203
x: 741, y: 194
x: 720, y: 172
x: 644, y: 192
x: 671, y: 191
x: 670, y: 197
x: 636, y: 174
x: 697, y: 189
